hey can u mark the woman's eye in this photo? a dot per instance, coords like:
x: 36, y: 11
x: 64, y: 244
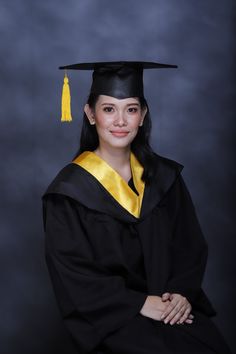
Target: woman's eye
x: 108, y: 109
x: 132, y: 109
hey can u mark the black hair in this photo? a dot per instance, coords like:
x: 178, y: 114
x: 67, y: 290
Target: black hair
x: 140, y: 146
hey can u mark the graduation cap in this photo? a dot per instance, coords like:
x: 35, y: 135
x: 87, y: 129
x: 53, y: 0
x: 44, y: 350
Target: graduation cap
x: 119, y: 79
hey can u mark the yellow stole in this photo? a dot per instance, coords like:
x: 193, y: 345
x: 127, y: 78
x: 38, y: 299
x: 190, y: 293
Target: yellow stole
x: 113, y: 182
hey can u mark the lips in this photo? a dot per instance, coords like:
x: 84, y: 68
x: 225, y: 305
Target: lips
x: 119, y: 133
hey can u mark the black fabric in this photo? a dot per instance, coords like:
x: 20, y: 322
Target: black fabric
x: 120, y: 79
x: 132, y: 186
x: 120, y: 82
x: 114, y: 65
x: 104, y: 262
x: 142, y: 335
x: 95, y: 197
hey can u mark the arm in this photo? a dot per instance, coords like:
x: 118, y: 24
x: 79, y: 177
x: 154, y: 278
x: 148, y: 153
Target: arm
x: 93, y: 302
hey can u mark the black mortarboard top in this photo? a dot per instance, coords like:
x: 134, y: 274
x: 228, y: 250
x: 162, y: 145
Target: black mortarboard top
x: 120, y: 79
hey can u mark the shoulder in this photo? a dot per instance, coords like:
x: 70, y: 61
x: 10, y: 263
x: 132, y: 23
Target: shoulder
x: 167, y: 163
x: 166, y: 170
x: 165, y: 173
x: 69, y: 175
x: 169, y: 179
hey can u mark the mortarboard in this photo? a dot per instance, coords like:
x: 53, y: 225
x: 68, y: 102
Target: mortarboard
x: 120, y: 79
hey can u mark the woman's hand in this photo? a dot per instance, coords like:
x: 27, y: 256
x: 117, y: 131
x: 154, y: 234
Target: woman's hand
x: 154, y: 307
x: 178, y: 309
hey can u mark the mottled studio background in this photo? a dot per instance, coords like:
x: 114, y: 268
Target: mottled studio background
x: 193, y: 111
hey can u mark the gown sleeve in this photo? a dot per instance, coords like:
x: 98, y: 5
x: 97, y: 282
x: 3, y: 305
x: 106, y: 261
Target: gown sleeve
x: 93, y: 301
x: 189, y: 249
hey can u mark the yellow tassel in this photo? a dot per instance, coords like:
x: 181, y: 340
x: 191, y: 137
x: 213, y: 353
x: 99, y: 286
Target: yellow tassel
x: 65, y: 101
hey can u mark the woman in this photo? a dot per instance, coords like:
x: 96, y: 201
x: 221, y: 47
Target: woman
x: 124, y: 248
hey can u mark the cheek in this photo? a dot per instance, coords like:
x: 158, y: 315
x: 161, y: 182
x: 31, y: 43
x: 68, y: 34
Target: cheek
x: 134, y: 133
x: 102, y: 121
x: 134, y: 122
x: 102, y: 126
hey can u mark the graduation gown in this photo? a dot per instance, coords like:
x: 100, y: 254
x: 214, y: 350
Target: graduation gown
x: 109, y: 245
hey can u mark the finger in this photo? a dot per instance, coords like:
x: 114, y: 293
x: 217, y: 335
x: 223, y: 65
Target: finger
x: 165, y: 296
x: 188, y: 321
x: 168, y: 309
x: 174, y: 311
x: 178, y: 316
x: 184, y: 302
x: 177, y: 302
x: 185, y: 315
x: 180, y: 312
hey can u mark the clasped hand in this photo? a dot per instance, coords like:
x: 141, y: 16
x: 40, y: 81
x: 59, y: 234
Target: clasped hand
x: 169, y: 308
x: 178, y: 309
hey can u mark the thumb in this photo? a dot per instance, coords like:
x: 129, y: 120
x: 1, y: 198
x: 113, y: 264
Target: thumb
x: 165, y: 296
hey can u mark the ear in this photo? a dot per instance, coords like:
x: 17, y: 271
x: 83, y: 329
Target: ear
x: 143, y: 114
x: 89, y: 113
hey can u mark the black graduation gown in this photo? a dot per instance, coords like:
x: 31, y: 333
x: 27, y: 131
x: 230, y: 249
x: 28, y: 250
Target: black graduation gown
x: 104, y: 262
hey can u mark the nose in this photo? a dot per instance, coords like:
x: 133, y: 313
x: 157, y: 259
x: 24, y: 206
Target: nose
x: 120, y: 120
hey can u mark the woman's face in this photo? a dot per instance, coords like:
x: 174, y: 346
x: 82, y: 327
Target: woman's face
x: 117, y: 120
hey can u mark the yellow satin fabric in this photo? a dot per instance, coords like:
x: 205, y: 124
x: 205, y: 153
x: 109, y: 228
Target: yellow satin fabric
x: 113, y: 182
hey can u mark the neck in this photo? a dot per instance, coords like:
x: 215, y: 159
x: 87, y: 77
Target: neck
x: 119, y: 159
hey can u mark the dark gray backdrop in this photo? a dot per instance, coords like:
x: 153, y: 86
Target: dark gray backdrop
x: 192, y: 109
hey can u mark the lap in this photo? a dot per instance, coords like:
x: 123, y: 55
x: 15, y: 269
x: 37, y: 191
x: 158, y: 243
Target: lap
x: 142, y: 335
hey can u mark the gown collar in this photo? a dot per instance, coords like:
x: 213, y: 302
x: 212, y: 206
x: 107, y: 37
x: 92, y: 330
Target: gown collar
x: 113, y: 182
x: 77, y: 183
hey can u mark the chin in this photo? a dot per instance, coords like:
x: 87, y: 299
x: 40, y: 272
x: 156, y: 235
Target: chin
x: 120, y: 145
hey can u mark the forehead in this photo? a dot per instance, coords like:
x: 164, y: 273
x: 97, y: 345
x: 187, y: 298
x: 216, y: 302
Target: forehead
x: 112, y: 100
